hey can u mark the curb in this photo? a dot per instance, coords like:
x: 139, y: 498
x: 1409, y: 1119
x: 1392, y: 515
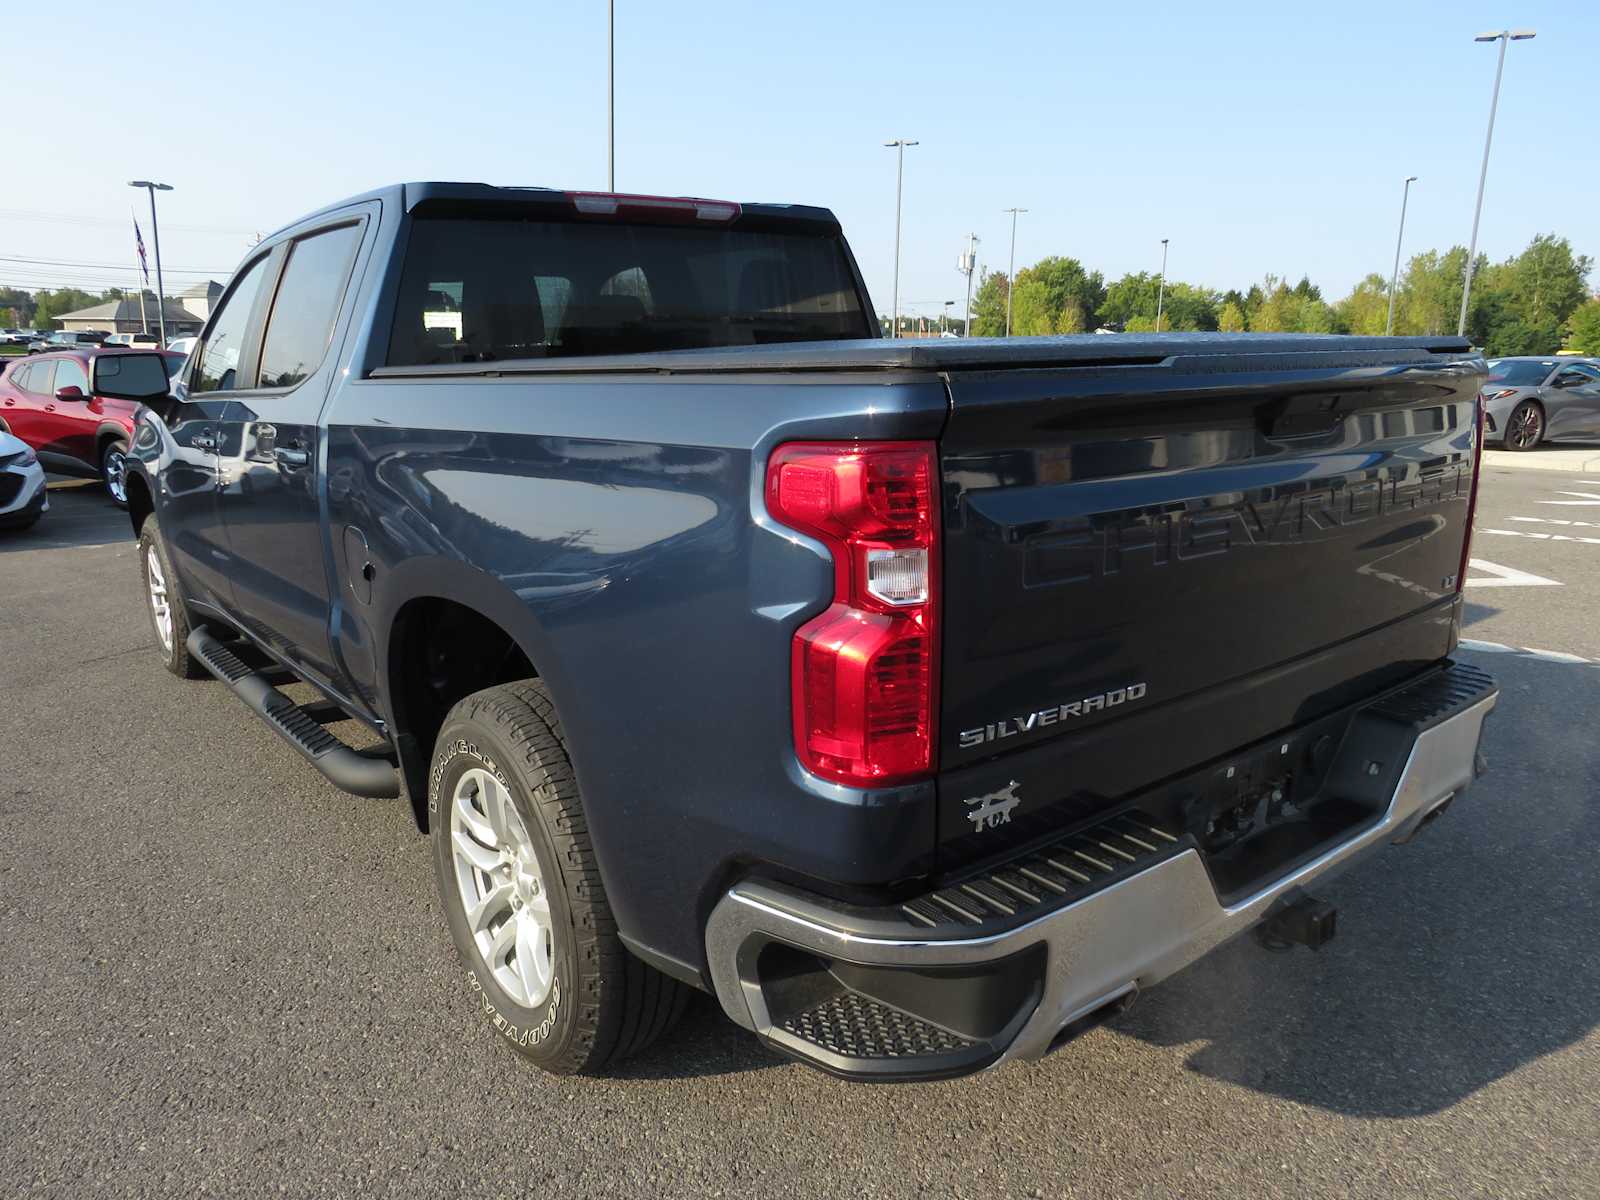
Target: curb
x: 1580, y: 461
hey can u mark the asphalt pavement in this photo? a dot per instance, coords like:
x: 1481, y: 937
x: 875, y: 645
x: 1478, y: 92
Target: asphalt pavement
x: 224, y: 978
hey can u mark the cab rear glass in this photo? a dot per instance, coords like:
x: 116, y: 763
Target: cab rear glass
x: 487, y: 289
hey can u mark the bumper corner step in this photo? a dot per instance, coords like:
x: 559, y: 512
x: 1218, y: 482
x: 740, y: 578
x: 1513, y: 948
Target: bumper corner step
x: 301, y: 726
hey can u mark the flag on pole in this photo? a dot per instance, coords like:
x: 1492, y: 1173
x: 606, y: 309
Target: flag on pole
x: 138, y: 240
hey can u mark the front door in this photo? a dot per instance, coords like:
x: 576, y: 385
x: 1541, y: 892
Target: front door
x: 196, y: 456
x: 271, y: 502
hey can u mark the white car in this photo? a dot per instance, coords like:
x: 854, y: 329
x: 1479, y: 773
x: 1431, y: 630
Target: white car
x: 138, y: 341
x: 183, y: 345
x: 23, y: 499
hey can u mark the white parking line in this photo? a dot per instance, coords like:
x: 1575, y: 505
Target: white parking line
x: 1555, y: 656
x: 1585, y: 499
x: 1557, y: 521
x: 1543, y: 537
x: 1504, y: 576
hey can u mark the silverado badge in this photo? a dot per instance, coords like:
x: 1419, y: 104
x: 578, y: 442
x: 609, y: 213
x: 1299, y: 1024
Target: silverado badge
x: 994, y: 808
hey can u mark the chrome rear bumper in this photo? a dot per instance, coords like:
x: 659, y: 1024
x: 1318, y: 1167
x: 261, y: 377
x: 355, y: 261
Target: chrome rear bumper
x: 1130, y: 935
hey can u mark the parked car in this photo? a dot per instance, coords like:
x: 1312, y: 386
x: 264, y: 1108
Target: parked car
x: 23, y: 499
x: 66, y: 339
x: 183, y: 345
x: 1529, y: 400
x: 922, y: 700
x: 138, y: 341
x: 76, y: 408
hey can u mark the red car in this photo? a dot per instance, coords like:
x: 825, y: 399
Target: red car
x: 76, y: 407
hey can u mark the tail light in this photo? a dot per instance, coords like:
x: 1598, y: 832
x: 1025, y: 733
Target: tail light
x: 864, y: 673
x: 653, y: 208
x: 1472, y: 494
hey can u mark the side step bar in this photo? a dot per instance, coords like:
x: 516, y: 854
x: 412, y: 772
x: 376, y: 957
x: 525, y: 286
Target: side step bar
x: 345, y: 768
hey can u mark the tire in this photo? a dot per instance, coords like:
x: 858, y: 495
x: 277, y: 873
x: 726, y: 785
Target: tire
x: 155, y: 570
x: 113, y: 471
x: 1525, y: 426
x: 568, y: 995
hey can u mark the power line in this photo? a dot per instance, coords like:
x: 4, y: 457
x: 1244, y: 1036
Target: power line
x: 75, y: 263
x: 23, y: 214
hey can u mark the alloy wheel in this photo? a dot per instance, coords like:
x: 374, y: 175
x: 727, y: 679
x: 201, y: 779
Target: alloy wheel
x: 160, y: 604
x: 502, y: 888
x: 1527, y: 426
x: 114, y: 467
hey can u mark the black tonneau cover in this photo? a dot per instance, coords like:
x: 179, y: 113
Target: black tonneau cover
x: 945, y: 355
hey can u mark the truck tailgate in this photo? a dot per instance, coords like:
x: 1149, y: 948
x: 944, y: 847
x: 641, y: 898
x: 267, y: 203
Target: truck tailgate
x: 1151, y: 565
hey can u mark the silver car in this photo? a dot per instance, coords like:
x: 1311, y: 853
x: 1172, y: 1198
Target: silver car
x: 23, y: 498
x: 1533, y: 400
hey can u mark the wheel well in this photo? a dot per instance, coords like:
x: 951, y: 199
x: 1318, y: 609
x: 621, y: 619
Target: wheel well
x: 140, y: 506
x: 440, y: 652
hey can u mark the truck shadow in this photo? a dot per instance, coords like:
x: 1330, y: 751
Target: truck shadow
x: 1461, y: 957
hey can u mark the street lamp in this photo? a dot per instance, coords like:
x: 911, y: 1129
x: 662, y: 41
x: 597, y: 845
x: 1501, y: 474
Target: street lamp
x: 155, y: 235
x: 969, y: 263
x: 1503, y: 37
x: 1394, y: 277
x: 1011, y: 267
x: 899, y: 145
x: 1161, y: 284
x: 944, y: 317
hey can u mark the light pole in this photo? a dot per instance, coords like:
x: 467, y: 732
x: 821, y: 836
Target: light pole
x: 155, y: 236
x: 1161, y: 285
x: 1503, y: 37
x: 969, y: 263
x: 1011, y: 267
x: 899, y: 145
x: 1394, y: 277
x: 611, y: 95
x: 944, y: 317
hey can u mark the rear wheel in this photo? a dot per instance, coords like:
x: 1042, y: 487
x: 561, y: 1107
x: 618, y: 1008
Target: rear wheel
x: 522, y: 893
x: 113, y: 471
x: 167, y: 613
x: 1525, y: 426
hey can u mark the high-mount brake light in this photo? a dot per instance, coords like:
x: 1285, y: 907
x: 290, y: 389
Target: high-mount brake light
x: 864, y: 673
x: 660, y: 208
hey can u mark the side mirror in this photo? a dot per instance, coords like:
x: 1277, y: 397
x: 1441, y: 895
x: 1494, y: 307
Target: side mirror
x: 72, y: 393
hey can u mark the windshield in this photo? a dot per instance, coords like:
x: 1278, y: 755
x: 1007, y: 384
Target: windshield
x: 1520, y: 372
x: 481, y: 290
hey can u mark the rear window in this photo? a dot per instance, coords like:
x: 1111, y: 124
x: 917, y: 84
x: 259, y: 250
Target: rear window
x: 483, y: 290
x: 1519, y: 372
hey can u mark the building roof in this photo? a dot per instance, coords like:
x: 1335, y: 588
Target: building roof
x: 210, y: 289
x: 128, y: 310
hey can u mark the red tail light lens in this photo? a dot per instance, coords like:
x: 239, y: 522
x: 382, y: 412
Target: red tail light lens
x: 864, y: 673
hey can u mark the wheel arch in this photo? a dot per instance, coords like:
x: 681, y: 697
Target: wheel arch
x: 109, y: 431
x: 141, y: 501
x: 448, y: 630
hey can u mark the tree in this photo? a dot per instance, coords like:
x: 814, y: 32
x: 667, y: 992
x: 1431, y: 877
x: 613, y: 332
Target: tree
x: 1584, y: 329
x: 48, y: 305
x: 1546, y: 282
x: 1366, y: 309
x: 1134, y: 295
x: 1430, y: 292
x: 1030, y: 308
x: 1231, y: 319
x: 989, y: 305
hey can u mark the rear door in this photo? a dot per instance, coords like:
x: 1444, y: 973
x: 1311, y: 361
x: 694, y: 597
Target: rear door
x: 20, y: 406
x: 1148, y: 566
x: 1574, y: 401
x: 270, y: 499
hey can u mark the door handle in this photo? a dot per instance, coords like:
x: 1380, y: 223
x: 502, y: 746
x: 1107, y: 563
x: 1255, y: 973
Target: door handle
x: 204, y: 441
x: 290, y: 457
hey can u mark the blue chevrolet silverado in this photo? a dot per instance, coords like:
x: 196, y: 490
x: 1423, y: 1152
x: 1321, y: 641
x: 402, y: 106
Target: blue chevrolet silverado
x: 921, y: 700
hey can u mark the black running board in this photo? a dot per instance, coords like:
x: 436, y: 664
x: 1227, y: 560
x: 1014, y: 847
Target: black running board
x: 345, y: 768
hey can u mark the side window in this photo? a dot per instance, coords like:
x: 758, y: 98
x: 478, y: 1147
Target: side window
x: 307, y: 305
x: 220, y: 354
x: 17, y: 377
x: 70, y: 373
x: 39, y: 379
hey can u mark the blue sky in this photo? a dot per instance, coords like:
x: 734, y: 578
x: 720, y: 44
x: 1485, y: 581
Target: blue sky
x: 1258, y: 137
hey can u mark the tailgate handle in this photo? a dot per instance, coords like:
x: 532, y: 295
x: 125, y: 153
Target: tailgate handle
x: 1300, y: 416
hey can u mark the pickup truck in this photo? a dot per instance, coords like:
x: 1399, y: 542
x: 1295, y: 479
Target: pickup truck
x: 922, y: 701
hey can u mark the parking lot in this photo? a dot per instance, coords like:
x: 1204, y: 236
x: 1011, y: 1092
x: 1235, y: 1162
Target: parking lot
x: 223, y: 975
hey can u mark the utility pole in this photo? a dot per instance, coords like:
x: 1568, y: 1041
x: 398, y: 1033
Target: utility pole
x: 611, y: 95
x: 1161, y: 286
x: 1011, y: 269
x: 1394, y: 277
x: 1504, y: 37
x: 899, y: 145
x: 967, y: 264
x: 155, y: 236
x: 944, y: 317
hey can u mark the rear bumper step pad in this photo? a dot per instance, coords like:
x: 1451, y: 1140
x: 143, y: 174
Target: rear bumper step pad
x: 346, y: 768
